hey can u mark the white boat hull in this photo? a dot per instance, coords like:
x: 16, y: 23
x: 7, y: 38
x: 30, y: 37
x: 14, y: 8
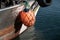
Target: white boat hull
x: 8, y: 15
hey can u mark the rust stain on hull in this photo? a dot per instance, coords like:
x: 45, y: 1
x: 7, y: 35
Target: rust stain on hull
x: 7, y: 32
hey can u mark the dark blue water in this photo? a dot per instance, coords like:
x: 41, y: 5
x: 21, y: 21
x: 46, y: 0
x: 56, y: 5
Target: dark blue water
x: 47, y: 26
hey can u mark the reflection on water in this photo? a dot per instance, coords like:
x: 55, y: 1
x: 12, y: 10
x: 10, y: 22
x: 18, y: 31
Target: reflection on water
x: 29, y: 34
x: 18, y: 38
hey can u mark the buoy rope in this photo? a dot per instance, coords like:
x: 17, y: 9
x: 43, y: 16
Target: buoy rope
x: 26, y: 4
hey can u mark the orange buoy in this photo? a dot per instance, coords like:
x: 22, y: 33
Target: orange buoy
x: 28, y: 18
